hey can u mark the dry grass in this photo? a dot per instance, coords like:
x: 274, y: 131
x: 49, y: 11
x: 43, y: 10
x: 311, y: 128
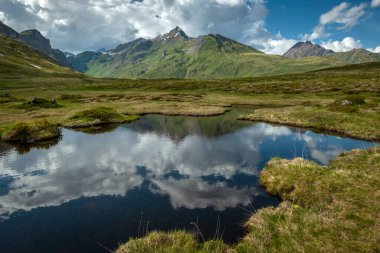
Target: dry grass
x: 172, y: 242
x: 325, y: 209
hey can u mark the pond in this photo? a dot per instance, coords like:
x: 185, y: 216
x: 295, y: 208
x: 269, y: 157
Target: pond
x: 91, y: 191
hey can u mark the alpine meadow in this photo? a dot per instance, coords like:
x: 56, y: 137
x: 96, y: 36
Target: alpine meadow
x: 189, y: 126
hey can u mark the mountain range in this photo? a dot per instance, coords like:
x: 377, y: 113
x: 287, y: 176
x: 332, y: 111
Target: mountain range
x: 354, y: 56
x: 177, y: 55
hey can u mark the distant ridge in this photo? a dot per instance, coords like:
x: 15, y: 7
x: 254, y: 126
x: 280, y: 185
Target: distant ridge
x: 306, y: 49
x: 9, y: 32
x: 35, y: 40
x: 177, y: 55
x: 356, y: 56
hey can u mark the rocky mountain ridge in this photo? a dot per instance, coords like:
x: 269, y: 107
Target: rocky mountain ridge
x: 177, y: 55
x: 306, y: 49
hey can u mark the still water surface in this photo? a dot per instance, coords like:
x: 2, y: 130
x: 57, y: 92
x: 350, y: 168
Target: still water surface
x: 89, y: 191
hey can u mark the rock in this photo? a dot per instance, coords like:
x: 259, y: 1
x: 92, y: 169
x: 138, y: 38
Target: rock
x: 33, y: 101
x: 345, y: 102
x: 97, y: 122
x: 37, y: 41
x: 305, y: 49
x: 41, y: 101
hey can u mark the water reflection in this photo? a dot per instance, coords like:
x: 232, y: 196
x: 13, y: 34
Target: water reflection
x: 194, y: 163
x: 107, y: 164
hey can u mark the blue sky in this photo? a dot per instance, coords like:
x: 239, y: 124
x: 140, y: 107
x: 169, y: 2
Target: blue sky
x: 295, y: 17
x: 272, y: 26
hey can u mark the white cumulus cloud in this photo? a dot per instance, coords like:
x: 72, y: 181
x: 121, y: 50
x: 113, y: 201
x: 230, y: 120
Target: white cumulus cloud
x: 344, y: 16
x: 374, y: 50
x: 375, y: 3
x: 93, y: 24
x: 346, y: 44
x: 278, y: 45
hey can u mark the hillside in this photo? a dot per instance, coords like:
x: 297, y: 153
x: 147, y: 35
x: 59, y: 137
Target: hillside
x: 37, y: 41
x: 175, y: 55
x: 7, y: 31
x: 17, y: 60
x: 356, y: 56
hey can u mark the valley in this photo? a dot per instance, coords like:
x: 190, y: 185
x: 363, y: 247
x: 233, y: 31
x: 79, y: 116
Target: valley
x: 191, y: 94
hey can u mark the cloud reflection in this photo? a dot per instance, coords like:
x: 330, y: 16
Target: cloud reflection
x: 84, y: 165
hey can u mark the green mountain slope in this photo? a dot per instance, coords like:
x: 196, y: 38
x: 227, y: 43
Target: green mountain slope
x: 175, y: 55
x: 356, y: 56
x: 17, y: 60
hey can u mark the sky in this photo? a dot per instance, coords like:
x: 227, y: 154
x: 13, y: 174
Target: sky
x: 272, y: 26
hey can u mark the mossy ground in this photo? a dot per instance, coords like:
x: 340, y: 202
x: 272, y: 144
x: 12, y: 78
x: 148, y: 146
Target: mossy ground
x: 34, y: 131
x: 358, y: 120
x: 97, y: 116
x: 325, y: 209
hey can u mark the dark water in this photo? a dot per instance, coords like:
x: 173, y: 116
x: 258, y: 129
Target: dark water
x: 90, y: 191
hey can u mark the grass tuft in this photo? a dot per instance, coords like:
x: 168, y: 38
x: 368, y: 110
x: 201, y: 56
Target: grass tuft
x: 325, y: 209
x: 172, y: 242
x: 35, y: 131
x: 98, y: 116
x: 177, y: 241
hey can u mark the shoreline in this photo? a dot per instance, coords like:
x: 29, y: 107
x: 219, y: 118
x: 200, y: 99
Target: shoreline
x: 312, y: 128
x: 248, y: 118
x: 299, y: 208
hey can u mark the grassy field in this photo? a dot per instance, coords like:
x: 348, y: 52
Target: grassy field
x: 320, y: 100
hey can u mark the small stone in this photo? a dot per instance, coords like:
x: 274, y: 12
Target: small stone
x: 97, y: 122
x: 346, y: 102
x: 33, y: 101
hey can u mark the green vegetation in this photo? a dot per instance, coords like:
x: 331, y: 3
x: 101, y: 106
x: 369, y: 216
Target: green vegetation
x: 17, y: 60
x: 174, y: 242
x: 356, y: 56
x: 349, y: 116
x: 324, y: 209
x: 39, y: 103
x: 209, y: 62
x: 6, y: 98
x: 333, y: 208
x: 40, y: 130
x: 311, y: 99
x: 97, y: 116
